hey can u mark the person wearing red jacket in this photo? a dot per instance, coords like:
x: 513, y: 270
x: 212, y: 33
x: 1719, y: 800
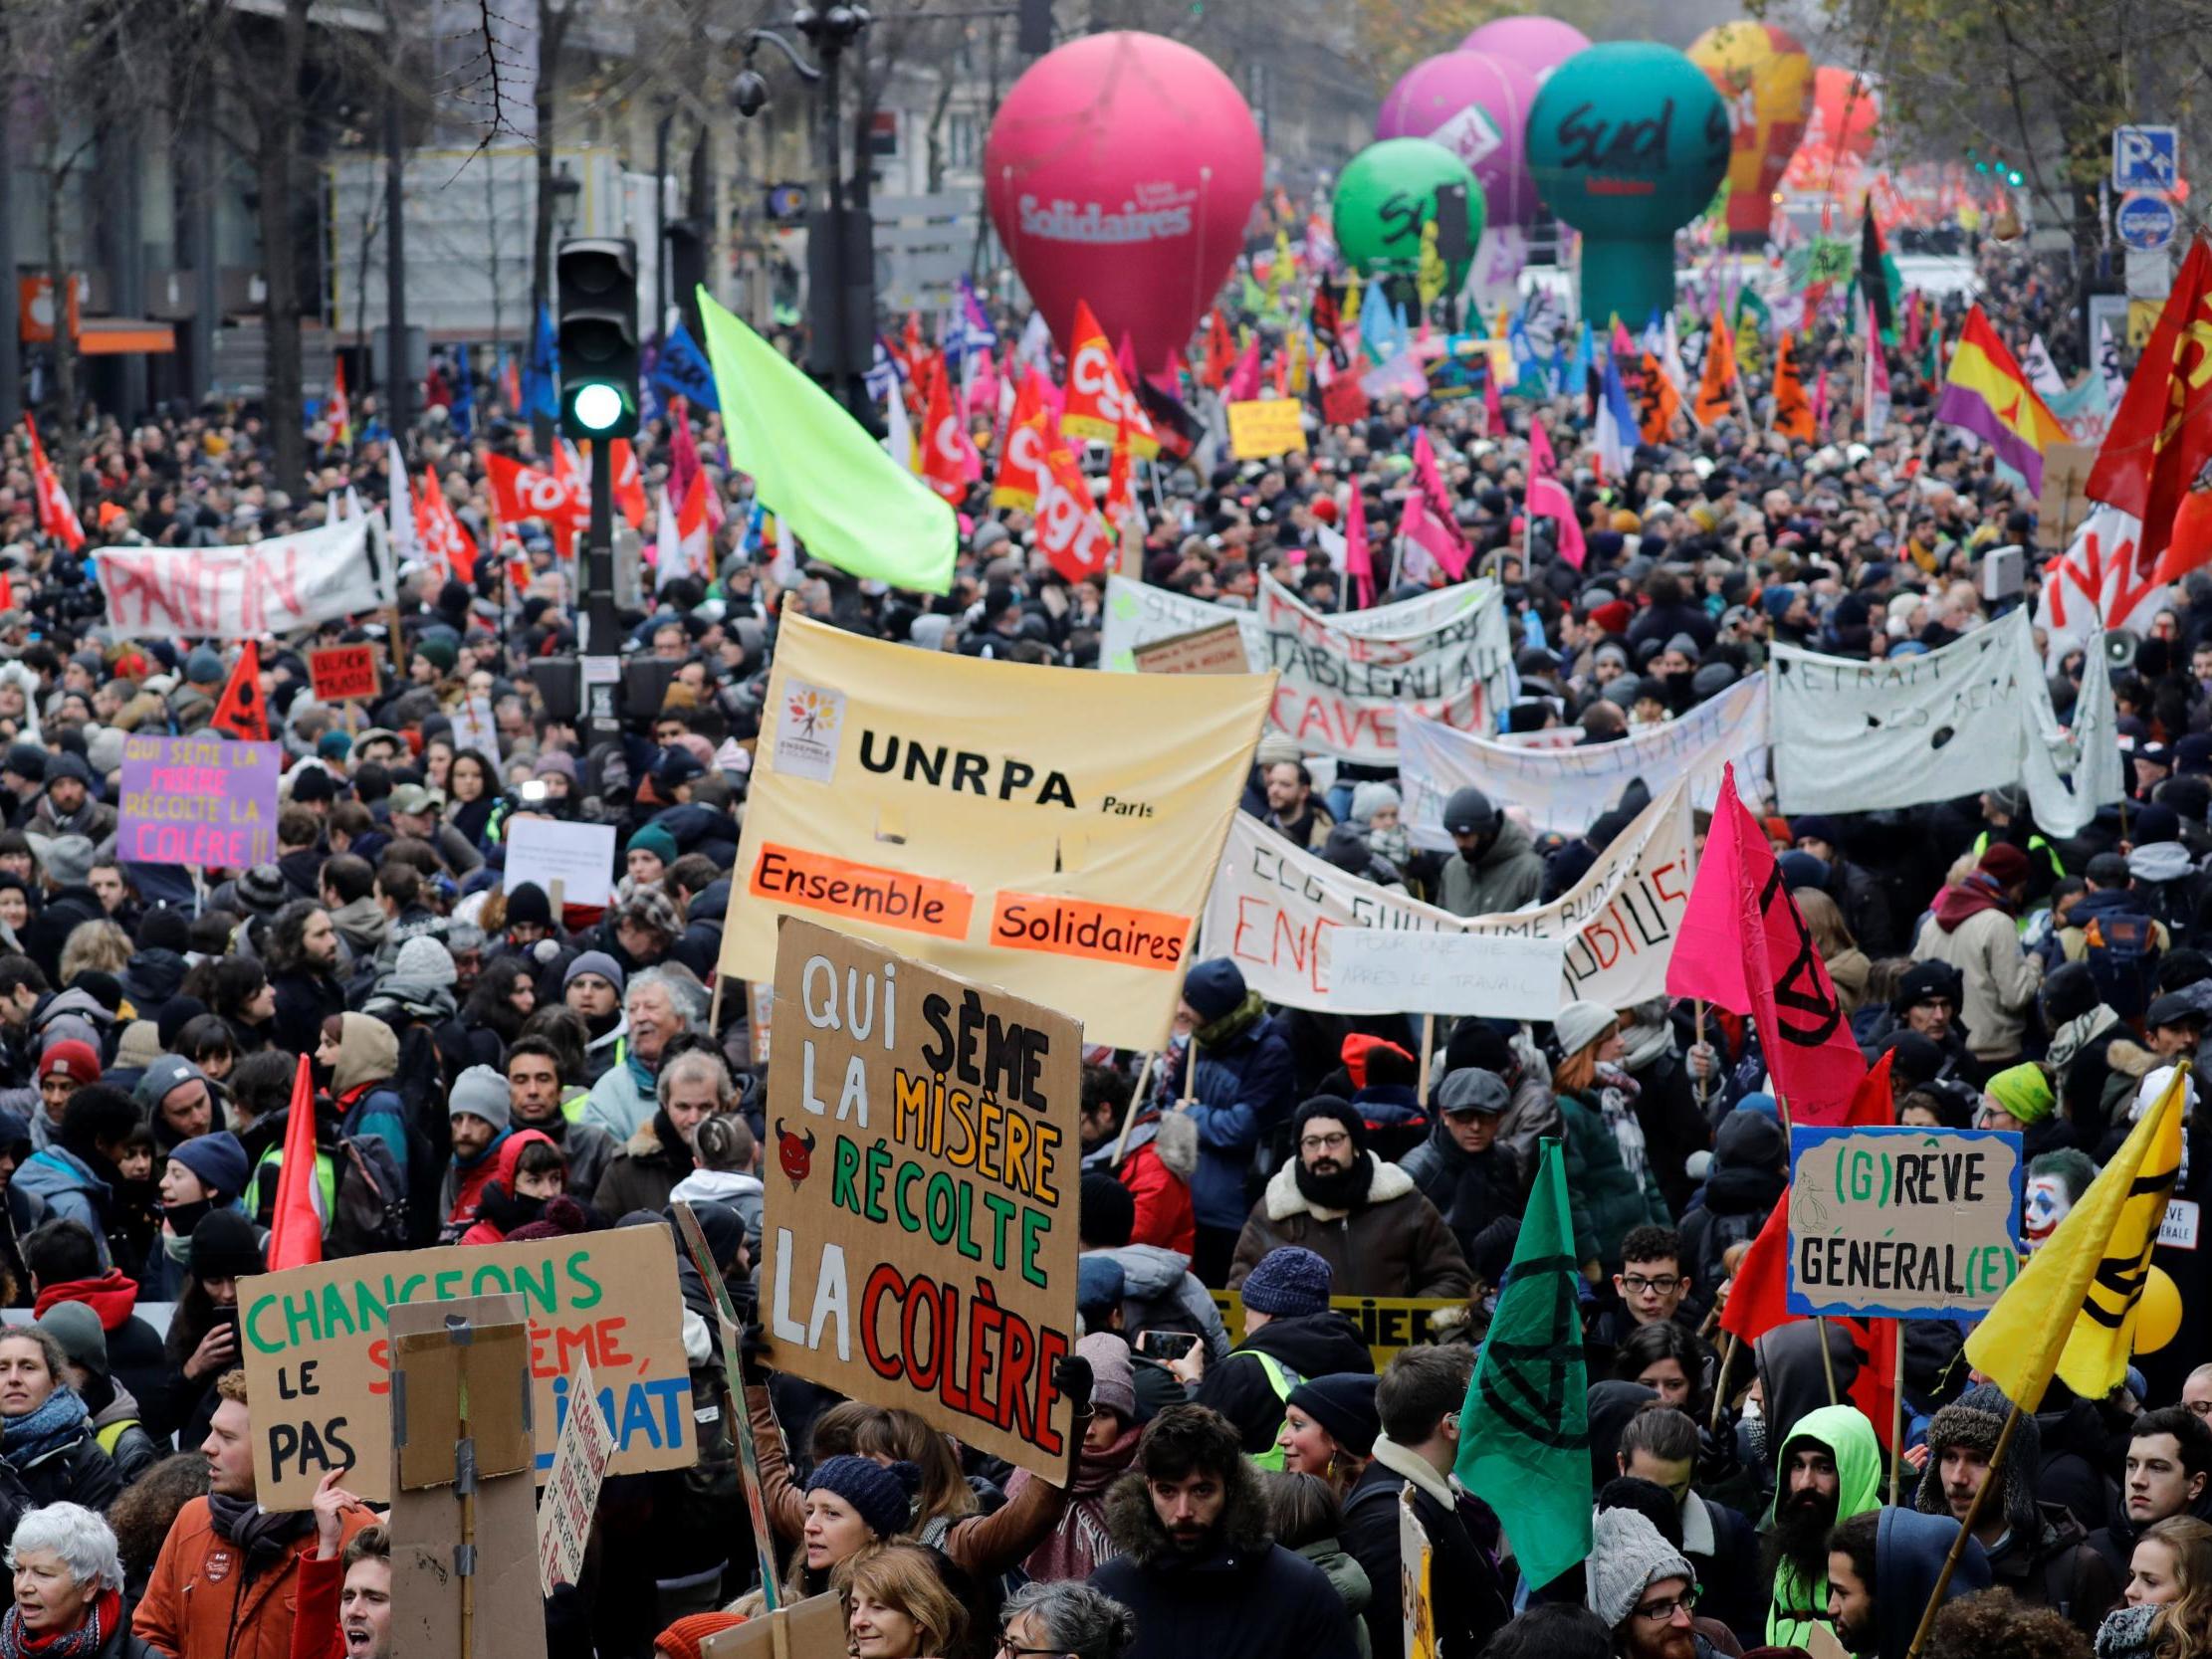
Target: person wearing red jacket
x: 344, y: 1607
x: 1154, y: 1161
x: 528, y: 1174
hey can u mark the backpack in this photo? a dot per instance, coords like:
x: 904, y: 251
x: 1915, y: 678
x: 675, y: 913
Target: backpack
x: 2120, y: 951
x: 367, y: 1213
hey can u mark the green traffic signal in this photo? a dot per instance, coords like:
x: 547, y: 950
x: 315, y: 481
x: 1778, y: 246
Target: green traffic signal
x: 597, y: 406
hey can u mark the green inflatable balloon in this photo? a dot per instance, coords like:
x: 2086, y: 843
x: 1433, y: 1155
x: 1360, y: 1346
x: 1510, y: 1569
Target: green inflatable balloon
x: 1628, y: 142
x: 1387, y: 193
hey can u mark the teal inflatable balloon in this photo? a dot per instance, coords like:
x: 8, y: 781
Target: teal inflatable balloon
x: 1387, y: 193
x: 1628, y: 142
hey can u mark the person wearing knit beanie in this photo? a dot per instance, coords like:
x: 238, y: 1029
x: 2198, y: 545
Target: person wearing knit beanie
x: 1214, y: 989
x: 651, y: 851
x: 1578, y: 1024
x: 1289, y: 1283
x: 852, y: 1502
x: 528, y: 907
x: 686, y: 1638
x: 1329, y: 1426
x: 1632, y: 1569
x: 2016, y: 1097
x: 1971, y: 1424
x: 480, y: 1091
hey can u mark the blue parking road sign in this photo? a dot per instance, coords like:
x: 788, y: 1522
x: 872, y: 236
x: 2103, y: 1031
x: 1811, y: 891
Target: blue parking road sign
x: 2146, y: 223
x: 2145, y: 157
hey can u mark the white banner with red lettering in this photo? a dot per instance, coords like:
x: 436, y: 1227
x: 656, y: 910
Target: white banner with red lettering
x: 2093, y: 585
x: 267, y: 587
x: 1274, y: 907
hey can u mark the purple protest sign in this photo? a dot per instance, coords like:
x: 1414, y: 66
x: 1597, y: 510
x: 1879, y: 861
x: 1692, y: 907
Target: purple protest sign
x: 198, y: 801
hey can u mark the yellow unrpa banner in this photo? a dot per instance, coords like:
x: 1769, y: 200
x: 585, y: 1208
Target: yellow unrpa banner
x: 1046, y: 829
x: 1264, y: 427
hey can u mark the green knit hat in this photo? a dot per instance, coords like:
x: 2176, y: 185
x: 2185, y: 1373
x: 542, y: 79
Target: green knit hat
x: 2024, y: 1091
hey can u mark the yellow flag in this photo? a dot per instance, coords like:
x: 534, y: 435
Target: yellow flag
x: 1349, y: 313
x: 2072, y: 1309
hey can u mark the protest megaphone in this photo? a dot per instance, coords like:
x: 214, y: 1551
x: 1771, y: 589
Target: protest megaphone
x: 2121, y: 644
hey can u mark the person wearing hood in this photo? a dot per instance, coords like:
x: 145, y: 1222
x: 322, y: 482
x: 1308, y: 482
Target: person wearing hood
x: 349, y: 892
x: 1155, y: 1159
x: 77, y: 1175
x: 1158, y: 1292
x: 1882, y: 1567
x: 1747, y: 1177
x: 64, y: 1268
x: 1195, y: 1562
x: 691, y: 1087
x: 155, y: 973
x: 1296, y: 1334
x: 2083, y: 1028
x: 361, y: 1053
x: 1243, y: 1088
x: 1380, y: 1235
x: 2160, y: 867
x: 2038, y: 1551
x: 206, y: 1172
x: 118, y: 1427
x: 1463, y: 1168
x: 1494, y: 867
x: 537, y: 1100
x: 529, y: 1184
x: 1828, y: 1469
x: 1974, y: 930
x: 1080, y: 1542
x: 477, y: 1114
x: 178, y: 1101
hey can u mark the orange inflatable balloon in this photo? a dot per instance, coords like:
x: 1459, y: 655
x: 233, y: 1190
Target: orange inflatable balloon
x: 1765, y: 77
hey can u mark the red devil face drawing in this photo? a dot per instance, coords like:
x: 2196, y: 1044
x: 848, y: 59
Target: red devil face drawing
x: 795, y: 1153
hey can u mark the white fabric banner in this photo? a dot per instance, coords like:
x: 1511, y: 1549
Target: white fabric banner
x: 2093, y: 585
x: 1861, y: 736
x: 1137, y: 613
x: 1274, y: 907
x: 248, y: 592
x: 1566, y: 789
x: 1342, y: 685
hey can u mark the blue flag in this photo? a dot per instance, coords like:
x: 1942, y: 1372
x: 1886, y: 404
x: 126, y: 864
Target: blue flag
x: 884, y: 372
x: 683, y: 371
x: 974, y: 331
x: 462, y: 412
x: 541, y: 373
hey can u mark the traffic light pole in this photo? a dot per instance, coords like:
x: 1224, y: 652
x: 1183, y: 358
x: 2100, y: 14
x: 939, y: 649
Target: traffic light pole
x: 602, y: 651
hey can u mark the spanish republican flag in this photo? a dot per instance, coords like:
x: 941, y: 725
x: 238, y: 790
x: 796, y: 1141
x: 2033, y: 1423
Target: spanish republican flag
x: 2072, y: 1310
x: 1988, y: 395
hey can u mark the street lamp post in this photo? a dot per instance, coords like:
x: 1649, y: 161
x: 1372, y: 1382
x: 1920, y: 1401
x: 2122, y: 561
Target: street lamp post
x: 840, y: 241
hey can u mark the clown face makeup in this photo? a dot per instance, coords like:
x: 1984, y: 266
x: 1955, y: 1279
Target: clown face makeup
x: 2047, y: 1204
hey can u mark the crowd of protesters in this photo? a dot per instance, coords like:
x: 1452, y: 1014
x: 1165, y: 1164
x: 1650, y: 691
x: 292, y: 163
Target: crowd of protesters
x: 492, y: 1065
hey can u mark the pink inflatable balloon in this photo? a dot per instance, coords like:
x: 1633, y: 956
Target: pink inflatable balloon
x: 1122, y: 171
x: 1538, y: 44
x: 1477, y: 106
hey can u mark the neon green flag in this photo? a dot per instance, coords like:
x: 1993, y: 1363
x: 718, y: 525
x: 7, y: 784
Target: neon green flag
x: 1524, y: 1433
x: 818, y: 469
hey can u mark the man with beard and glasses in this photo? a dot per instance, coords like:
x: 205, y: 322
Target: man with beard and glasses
x: 1642, y: 1589
x: 1366, y: 1219
x: 1828, y: 1470
x: 1882, y: 1569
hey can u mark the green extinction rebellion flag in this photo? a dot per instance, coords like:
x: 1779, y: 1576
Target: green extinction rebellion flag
x: 1524, y: 1433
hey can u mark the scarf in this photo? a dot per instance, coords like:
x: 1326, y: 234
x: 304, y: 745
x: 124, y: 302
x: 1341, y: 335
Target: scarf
x: 1231, y: 1024
x: 1343, y: 1191
x: 641, y: 1073
x: 2126, y: 1633
x: 179, y: 1220
x: 38, y: 1433
x: 263, y: 1536
x: 2078, y: 1033
x: 1649, y: 1044
x: 1081, y: 1542
x: 491, y: 1151
x: 101, y: 1617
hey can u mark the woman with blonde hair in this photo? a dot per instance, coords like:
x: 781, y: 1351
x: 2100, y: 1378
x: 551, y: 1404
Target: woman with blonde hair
x: 1848, y: 965
x: 95, y: 947
x: 896, y: 1605
x: 2168, y: 1614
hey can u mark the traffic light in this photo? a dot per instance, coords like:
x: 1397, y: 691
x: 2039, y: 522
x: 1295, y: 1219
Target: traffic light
x: 597, y: 336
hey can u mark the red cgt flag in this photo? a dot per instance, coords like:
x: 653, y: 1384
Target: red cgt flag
x: 2161, y: 434
x: 1744, y: 945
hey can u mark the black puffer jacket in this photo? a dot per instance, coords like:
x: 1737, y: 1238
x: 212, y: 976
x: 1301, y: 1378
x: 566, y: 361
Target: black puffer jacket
x: 1469, y: 1189
x: 1307, y: 1344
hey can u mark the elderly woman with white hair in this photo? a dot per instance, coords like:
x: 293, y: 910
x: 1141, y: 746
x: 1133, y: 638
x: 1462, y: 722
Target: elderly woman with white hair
x: 1067, y: 1620
x: 67, y: 1590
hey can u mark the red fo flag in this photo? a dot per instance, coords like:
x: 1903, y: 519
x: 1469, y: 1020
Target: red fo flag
x: 242, y: 710
x: 629, y: 482
x: 520, y: 492
x: 295, y: 1231
x: 55, y: 517
x: 2161, y: 434
x: 1744, y: 945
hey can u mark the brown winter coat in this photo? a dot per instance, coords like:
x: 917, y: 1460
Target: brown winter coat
x: 1396, y: 1244
x: 641, y: 1177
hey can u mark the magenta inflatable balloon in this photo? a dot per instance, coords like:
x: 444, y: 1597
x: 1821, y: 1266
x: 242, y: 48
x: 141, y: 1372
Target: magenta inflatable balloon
x: 1122, y: 171
x: 1538, y: 44
x: 1477, y: 106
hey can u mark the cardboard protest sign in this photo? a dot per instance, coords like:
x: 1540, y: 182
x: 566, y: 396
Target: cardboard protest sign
x: 802, y: 1630
x: 1138, y: 614
x: 919, y: 1248
x: 1905, y: 1223
x: 1417, y: 1604
x: 578, y: 856
x: 1386, y: 1323
x: 1276, y: 911
x: 1566, y: 788
x: 1341, y: 691
x: 580, y: 1466
x: 1219, y: 649
x: 340, y: 672
x: 267, y: 587
x: 2065, y: 502
x: 1045, y: 827
x: 1492, y: 975
x: 318, y: 1356
x: 197, y: 801
x: 1265, y: 427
